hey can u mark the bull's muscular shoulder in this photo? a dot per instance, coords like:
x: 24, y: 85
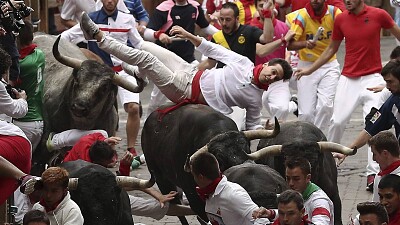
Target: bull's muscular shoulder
x: 191, y: 113
x: 190, y: 119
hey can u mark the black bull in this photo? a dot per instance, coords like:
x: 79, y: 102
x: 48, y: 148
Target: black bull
x: 77, y: 93
x: 302, y: 139
x: 101, y: 201
x: 167, y: 143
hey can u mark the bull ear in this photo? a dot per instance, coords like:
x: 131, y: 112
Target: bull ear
x: 65, y: 60
x: 326, y: 146
x: 258, y: 134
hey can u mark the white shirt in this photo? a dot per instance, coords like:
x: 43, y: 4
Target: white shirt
x: 231, y: 85
x: 66, y: 213
x: 230, y: 205
x: 16, y: 108
x: 72, y: 9
x: 318, y: 206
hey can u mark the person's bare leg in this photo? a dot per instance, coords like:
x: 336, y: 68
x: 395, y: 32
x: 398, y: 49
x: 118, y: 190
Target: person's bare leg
x: 132, y: 123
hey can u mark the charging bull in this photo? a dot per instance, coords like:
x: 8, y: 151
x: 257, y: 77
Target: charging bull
x: 99, y: 193
x: 302, y: 139
x: 78, y: 93
x: 168, y: 140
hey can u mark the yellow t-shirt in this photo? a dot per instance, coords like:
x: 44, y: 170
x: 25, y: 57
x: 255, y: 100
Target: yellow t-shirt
x: 305, y: 28
x: 246, y: 16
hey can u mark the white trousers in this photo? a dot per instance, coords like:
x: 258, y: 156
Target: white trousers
x: 350, y: 93
x: 316, y: 93
x: 277, y: 100
x: 157, y: 98
x: 147, y: 207
x: 71, y: 137
x: 151, y: 61
x: 33, y: 131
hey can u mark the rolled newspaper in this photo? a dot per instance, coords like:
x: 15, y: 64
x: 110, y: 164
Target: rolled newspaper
x: 318, y: 34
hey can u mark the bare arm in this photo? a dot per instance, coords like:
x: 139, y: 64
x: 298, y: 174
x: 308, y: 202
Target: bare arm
x: 361, y: 139
x: 8, y: 169
x: 264, y: 50
x: 268, y: 32
x: 395, y: 30
x: 268, y: 29
x: 324, y: 58
x: 159, y: 196
x: 297, y: 45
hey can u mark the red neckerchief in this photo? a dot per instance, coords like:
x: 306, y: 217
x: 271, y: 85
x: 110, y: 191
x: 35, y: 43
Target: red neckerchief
x: 395, y: 218
x: 51, y: 207
x: 205, y: 192
x: 390, y: 168
x: 23, y: 52
x: 256, y: 75
x: 193, y: 100
x: 310, y: 12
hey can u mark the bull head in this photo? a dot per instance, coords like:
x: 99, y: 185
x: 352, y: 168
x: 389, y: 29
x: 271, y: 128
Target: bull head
x: 250, y: 135
x: 122, y: 181
x: 324, y: 146
x: 76, y: 64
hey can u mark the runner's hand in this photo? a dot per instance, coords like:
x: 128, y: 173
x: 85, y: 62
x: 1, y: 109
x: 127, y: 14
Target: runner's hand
x: 112, y: 140
x: 127, y: 159
x: 340, y: 157
x: 376, y: 89
x: 301, y: 72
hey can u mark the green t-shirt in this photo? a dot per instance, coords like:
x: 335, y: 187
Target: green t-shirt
x: 31, y: 74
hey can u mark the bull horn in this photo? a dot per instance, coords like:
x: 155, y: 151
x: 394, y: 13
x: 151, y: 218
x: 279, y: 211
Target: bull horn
x: 135, y: 183
x: 73, y: 183
x: 326, y: 146
x: 258, y: 134
x: 68, y: 61
x: 264, y: 152
x: 201, y: 150
x: 124, y: 83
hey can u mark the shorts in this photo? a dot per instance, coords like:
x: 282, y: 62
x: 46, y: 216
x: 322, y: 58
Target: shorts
x: 124, y: 95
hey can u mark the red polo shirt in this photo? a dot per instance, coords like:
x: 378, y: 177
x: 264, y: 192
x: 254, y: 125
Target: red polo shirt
x: 81, y: 148
x: 362, y: 33
x: 81, y: 151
